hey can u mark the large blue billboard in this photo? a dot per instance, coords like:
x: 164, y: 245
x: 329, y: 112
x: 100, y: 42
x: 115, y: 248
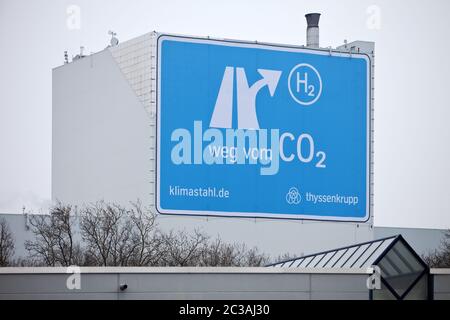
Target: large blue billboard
x: 257, y: 130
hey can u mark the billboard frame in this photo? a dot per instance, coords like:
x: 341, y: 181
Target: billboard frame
x: 276, y: 47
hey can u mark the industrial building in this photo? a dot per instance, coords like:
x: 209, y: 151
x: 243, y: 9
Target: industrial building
x: 104, y: 146
x: 107, y: 145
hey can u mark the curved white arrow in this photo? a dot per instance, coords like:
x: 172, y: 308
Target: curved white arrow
x: 246, y: 100
x: 247, y: 118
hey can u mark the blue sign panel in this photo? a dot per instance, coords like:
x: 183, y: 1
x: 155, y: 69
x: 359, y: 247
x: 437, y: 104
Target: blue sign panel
x: 262, y: 131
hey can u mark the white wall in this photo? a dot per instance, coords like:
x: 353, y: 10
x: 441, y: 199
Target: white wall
x: 183, y: 283
x: 100, y: 134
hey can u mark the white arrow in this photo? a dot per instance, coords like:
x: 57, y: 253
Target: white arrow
x: 270, y: 77
x: 247, y: 118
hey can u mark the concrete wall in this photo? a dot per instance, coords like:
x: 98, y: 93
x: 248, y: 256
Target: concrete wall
x: 184, y: 283
x: 21, y: 233
x: 100, y: 144
x: 196, y: 283
x: 441, y: 283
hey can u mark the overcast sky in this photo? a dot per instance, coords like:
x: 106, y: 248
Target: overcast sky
x: 412, y: 135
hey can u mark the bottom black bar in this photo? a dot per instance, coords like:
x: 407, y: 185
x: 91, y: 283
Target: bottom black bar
x: 225, y: 309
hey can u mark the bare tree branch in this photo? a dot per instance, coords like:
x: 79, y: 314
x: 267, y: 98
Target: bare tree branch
x: 6, y: 244
x: 114, y: 235
x: 183, y: 249
x: 54, y: 243
x: 440, y: 258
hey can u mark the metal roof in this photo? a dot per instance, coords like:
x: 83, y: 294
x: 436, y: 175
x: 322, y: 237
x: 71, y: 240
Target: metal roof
x: 402, y: 273
x: 360, y: 255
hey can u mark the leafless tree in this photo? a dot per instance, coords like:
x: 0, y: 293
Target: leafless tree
x: 114, y: 235
x: 147, y: 246
x: 119, y: 236
x: 54, y: 243
x: 6, y: 244
x: 106, y: 236
x: 198, y: 249
x: 283, y: 257
x: 254, y: 258
x: 182, y: 248
x: 440, y: 258
x: 219, y: 253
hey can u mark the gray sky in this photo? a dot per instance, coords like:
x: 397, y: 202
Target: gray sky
x: 412, y: 175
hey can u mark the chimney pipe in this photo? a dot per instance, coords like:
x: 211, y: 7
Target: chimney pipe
x: 312, y: 31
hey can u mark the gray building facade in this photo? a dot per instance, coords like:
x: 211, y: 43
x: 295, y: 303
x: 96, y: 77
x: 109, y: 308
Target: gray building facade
x: 193, y: 283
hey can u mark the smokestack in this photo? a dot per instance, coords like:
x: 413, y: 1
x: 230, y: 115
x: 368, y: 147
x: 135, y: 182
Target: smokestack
x: 312, y: 31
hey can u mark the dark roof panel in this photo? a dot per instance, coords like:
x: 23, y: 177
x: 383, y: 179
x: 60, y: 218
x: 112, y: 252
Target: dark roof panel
x: 360, y: 255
